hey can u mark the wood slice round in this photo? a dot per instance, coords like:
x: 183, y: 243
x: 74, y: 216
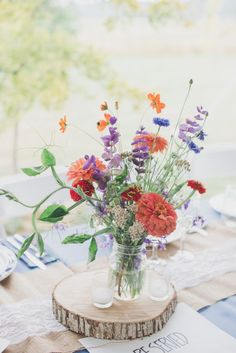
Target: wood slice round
x: 73, y: 307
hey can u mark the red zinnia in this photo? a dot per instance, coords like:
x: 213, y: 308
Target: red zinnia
x: 156, y: 214
x: 132, y: 194
x: 196, y: 185
x: 85, y: 186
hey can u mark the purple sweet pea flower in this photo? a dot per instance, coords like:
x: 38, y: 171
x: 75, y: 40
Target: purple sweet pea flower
x: 112, y: 138
x: 141, y: 155
x: 198, y: 117
x: 113, y: 120
x: 192, y: 123
x: 107, y: 155
x: 138, y: 163
x: 141, y: 131
x: 202, y: 111
x: 141, y: 148
x: 115, y: 161
x: 193, y: 130
x: 183, y: 127
x: 182, y: 135
x: 89, y: 161
x: 101, y: 178
x: 138, y: 140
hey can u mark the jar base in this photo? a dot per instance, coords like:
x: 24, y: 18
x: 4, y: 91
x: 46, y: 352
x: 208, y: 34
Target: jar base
x: 126, y: 298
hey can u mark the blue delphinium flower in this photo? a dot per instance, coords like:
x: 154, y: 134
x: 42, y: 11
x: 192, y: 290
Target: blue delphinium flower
x: 201, y: 135
x: 193, y: 147
x: 161, y: 122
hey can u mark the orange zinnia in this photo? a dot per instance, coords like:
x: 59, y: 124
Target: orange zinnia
x: 63, y: 124
x: 156, y: 102
x: 76, y: 171
x: 154, y: 142
x: 156, y: 214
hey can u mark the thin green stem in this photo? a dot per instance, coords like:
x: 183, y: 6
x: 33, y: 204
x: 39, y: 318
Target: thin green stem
x: 188, y: 198
x: 56, y: 176
x: 86, y: 133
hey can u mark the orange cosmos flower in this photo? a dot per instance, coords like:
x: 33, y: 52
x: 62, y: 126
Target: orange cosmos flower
x: 156, y: 102
x: 154, y: 142
x: 156, y: 214
x: 102, y: 124
x: 63, y: 124
x: 76, y: 171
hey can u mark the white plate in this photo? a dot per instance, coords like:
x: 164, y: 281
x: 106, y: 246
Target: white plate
x: 222, y: 204
x: 8, y: 262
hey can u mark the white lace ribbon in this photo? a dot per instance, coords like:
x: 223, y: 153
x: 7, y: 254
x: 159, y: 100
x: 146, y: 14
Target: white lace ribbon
x: 34, y: 317
x: 204, y: 266
x: 30, y: 317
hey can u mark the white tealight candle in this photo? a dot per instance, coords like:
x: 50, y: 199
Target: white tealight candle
x: 102, y: 297
x: 159, y: 290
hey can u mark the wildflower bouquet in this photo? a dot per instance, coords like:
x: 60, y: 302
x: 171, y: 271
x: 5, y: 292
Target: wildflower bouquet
x: 133, y: 193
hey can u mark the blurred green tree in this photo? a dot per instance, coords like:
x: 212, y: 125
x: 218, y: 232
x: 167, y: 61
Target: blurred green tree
x: 39, y: 49
x: 40, y: 52
x: 156, y: 12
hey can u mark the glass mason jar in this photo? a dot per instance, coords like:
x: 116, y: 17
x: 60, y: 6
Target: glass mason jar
x: 127, y: 270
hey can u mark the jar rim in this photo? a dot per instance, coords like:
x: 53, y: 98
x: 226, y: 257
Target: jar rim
x: 128, y: 248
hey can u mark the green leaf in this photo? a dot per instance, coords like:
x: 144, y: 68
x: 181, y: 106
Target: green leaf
x: 34, y: 171
x: 48, y: 159
x: 40, y: 243
x: 121, y: 177
x: 176, y: 189
x: 76, y: 239
x: 25, y: 245
x: 54, y: 213
x: 92, y: 250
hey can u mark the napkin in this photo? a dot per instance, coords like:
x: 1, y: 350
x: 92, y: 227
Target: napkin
x: 3, y: 344
x: 46, y: 259
x: 186, y: 331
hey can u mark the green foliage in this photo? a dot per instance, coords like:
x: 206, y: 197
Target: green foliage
x: 40, y: 243
x: 39, y: 48
x: 53, y: 213
x: 76, y: 239
x: 122, y: 176
x: 34, y: 170
x: 41, y: 51
x: 156, y: 12
x: 163, y: 10
x: 47, y: 158
x: 93, y: 248
x: 25, y: 245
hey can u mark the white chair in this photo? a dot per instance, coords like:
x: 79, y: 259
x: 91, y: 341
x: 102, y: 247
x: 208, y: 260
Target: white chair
x: 215, y: 161
x: 29, y: 190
